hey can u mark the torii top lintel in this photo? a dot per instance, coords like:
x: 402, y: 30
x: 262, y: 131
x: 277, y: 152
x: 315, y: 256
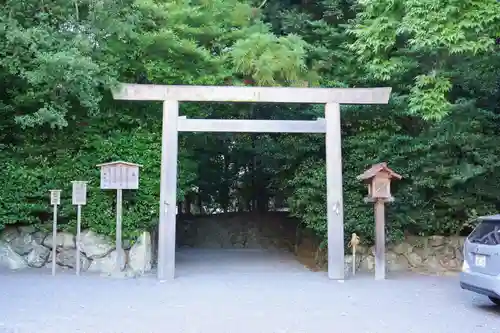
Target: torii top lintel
x: 152, y: 92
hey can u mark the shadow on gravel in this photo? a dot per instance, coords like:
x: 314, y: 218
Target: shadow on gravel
x: 491, y: 309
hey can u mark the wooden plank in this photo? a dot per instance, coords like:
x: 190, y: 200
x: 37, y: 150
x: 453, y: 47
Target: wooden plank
x: 251, y: 126
x: 334, y: 195
x: 168, y: 192
x: 147, y: 92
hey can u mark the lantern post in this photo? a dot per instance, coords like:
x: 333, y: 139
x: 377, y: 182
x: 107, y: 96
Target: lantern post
x: 378, y: 179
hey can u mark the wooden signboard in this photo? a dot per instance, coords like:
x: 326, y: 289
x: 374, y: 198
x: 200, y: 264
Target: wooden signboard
x: 119, y: 176
x: 79, y: 194
x: 55, y: 197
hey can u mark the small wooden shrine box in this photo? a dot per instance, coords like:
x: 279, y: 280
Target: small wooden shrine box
x: 378, y: 178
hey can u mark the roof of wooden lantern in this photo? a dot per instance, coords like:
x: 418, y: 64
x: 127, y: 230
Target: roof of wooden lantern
x: 118, y: 162
x: 375, y: 169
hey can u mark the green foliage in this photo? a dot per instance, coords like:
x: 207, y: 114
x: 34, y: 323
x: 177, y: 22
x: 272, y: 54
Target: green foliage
x: 428, y: 96
x: 271, y: 60
x: 412, y: 38
x: 56, y: 57
x: 309, y: 193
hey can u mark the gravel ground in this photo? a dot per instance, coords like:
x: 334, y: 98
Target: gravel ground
x: 239, y: 292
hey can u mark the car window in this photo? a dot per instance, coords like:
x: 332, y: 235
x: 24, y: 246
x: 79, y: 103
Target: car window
x: 487, y: 232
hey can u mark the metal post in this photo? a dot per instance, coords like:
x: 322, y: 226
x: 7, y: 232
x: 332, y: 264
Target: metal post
x: 379, y: 240
x: 335, y: 211
x: 54, y: 240
x: 168, y: 191
x: 78, y: 237
x: 119, y: 259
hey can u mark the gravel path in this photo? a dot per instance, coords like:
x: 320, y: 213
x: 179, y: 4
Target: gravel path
x: 251, y: 292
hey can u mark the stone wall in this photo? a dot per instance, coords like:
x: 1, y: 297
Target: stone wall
x: 432, y: 255
x: 238, y: 230
x: 24, y: 247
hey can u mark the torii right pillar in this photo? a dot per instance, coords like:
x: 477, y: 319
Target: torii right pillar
x: 378, y: 179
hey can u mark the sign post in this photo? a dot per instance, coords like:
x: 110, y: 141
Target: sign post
x: 119, y: 176
x: 119, y: 215
x: 55, y: 200
x: 79, y: 197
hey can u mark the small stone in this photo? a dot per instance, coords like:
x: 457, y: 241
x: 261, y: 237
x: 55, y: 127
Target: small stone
x: 23, y: 244
x: 455, y: 264
x: 140, y: 255
x: 26, y: 229
x: 437, y: 241
x: 433, y: 264
x: 8, y: 234
x: 9, y: 258
x: 95, y: 245
x: 456, y: 241
x: 396, y: 263
x: 106, y: 264
x: 402, y: 248
x: 38, y: 237
x: 445, y: 251
x: 417, y: 241
x: 422, y: 252
x: 64, y: 240
x: 67, y: 258
x: 367, y: 264
x: 414, y: 259
x: 38, y: 256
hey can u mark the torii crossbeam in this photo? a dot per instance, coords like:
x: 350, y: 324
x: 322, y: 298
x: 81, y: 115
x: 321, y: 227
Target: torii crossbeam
x: 173, y: 124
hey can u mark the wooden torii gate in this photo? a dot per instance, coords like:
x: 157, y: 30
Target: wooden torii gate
x: 173, y: 124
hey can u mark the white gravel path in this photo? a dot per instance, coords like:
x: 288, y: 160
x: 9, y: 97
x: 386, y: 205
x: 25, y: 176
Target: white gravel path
x: 240, y: 292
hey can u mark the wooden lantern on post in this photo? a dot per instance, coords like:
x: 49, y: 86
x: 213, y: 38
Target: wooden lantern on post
x: 378, y: 179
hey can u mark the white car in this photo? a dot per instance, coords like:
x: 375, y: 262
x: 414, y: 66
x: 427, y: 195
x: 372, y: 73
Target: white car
x: 481, y: 267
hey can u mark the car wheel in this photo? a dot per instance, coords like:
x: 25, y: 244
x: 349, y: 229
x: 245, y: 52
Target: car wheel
x: 495, y: 300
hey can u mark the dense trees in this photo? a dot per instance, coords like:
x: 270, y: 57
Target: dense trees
x: 59, y: 59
